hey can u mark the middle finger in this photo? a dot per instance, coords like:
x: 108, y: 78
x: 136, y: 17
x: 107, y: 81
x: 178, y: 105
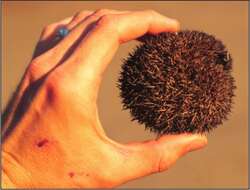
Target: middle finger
x: 67, y: 45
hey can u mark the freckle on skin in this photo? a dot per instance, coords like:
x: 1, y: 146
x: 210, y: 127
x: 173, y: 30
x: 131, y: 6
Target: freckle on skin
x: 71, y: 174
x: 42, y: 142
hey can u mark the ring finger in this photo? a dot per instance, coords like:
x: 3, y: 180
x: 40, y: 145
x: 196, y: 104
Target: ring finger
x: 79, y: 29
x: 78, y: 26
x: 48, y: 36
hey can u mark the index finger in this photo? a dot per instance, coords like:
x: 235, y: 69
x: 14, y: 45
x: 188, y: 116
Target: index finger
x: 132, y: 26
x: 98, y: 47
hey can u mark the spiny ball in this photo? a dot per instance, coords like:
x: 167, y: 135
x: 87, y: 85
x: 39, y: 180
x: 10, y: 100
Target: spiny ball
x: 178, y: 82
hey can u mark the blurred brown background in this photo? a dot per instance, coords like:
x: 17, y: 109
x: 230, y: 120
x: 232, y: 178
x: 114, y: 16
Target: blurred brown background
x: 224, y: 162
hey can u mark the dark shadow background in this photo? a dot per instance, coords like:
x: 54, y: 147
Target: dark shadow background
x: 224, y: 162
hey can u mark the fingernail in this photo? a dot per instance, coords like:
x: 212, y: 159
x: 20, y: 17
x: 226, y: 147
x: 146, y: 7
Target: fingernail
x: 198, y: 142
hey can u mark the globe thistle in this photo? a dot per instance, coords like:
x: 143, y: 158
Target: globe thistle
x: 178, y: 82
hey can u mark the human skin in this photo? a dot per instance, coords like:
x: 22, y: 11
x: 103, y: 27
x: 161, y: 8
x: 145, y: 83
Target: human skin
x: 52, y: 136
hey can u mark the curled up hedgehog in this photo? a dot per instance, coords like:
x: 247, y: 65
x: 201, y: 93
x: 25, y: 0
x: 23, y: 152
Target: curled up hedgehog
x: 178, y: 82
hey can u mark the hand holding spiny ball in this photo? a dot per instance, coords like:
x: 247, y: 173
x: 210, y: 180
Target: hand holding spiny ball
x: 178, y: 82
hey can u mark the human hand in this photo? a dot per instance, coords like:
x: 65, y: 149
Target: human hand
x: 52, y: 136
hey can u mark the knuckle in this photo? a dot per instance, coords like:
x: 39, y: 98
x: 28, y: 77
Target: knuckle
x: 53, y: 86
x: 81, y: 14
x: 34, y: 69
x: 34, y: 64
x: 52, y: 92
x: 164, y: 158
x: 101, y: 12
x: 158, y: 166
x: 60, y: 88
x: 59, y: 85
x: 162, y: 166
x: 106, y: 21
x: 48, y: 27
x: 155, y: 158
x: 164, y: 163
x: 40, y: 64
x: 151, y: 13
x: 94, y: 17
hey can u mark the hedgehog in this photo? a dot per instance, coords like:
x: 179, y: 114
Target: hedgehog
x: 178, y: 82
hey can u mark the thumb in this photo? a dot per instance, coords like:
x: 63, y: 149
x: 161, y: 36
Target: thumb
x: 158, y: 155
